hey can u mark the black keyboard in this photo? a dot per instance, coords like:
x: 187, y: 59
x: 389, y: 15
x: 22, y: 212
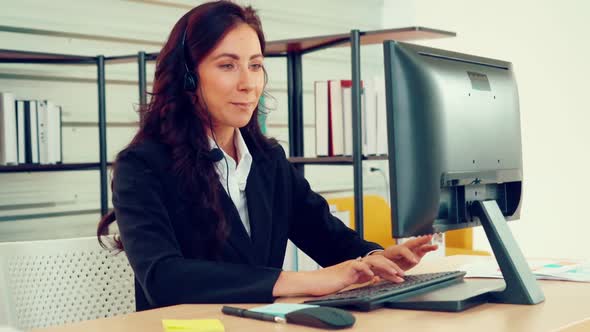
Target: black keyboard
x: 373, y: 296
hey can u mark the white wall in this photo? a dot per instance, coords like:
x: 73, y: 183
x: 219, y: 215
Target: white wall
x: 115, y: 27
x: 547, y: 42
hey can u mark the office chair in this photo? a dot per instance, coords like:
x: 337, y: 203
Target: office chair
x: 377, y: 225
x: 54, y: 282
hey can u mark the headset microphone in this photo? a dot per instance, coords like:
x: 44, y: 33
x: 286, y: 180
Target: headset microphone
x: 190, y: 79
x: 214, y: 155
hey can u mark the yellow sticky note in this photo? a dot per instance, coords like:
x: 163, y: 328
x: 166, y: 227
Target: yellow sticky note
x: 192, y: 325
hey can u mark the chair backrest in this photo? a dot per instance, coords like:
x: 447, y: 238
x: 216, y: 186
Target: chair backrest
x: 54, y: 282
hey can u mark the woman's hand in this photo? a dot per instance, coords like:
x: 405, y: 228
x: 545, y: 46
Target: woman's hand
x: 383, y: 267
x: 389, y: 264
x: 408, y: 254
x: 324, y: 281
x: 336, y: 277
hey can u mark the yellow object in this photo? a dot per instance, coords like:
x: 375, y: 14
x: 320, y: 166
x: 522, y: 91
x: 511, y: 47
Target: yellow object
x: 460, y: 242
x: 377, y: 217
x: 192, y: 325
x: 377, y: 225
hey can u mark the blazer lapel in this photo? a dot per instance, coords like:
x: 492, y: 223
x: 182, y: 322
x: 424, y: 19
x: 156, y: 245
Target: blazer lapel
x: 238, y: 237
x: 259, y: 195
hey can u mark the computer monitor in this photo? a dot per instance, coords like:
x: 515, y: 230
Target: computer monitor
x: 455, y: 151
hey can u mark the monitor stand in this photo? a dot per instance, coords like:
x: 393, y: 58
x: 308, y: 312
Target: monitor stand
x: 518, y: 287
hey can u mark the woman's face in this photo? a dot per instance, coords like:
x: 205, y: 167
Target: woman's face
x: 231, y: 78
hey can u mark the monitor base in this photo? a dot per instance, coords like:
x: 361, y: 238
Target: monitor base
x: 453, y: 298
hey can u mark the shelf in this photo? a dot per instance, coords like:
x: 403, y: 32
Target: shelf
x: 306, y: 45
x: 341, y: 160
x: 292, y: 49
x: 279, y: 48
x: 11, y: 56
x: 131, y: 58
x: 128, y: 58
x: 50, y: 168
x: 48, y: 215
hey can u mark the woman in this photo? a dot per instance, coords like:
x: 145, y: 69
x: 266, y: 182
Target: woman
x: 204, y: 226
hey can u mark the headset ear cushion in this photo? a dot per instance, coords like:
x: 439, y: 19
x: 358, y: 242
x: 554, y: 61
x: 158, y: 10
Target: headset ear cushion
x: 190, y: 82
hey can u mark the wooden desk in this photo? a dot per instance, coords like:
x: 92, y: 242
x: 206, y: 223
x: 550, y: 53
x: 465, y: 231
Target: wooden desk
x: 566, y: 302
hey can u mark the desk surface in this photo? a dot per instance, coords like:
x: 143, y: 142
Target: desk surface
x: 566, y: 302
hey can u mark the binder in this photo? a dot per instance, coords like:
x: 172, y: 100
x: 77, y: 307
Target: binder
x: 31, y: 139
x: 53, y: 117
x: 347, y: 117
x: 336, y: 117
x: 20, y: 131
x: 57, y: 133
x: 8, y: 143
x: 43, y: 133
x: 322, y: 133
x: 59, y: 144
x: 370, y: 115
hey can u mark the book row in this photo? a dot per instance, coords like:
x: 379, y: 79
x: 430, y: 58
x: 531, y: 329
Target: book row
x: 30, y: 131
x: 333, y: 111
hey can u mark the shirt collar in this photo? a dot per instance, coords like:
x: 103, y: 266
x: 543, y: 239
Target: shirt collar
x: 242, y: 169
x: 242, y: 149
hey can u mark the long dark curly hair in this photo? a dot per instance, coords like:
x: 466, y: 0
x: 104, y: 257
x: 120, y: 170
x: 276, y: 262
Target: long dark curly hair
x: 178, y: 119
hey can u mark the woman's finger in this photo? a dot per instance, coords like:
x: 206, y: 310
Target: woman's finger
x: 362, y: 267
x: 363, y: 271
x: 386, y: 269
x: 392, y: 264
x: 417, y: 242
x: 383, y: 264
x: 426, y: 249
x: 408, y: 255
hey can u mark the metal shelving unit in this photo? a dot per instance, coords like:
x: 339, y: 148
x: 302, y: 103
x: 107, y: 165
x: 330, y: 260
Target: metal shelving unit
x: 290, y: 49
x: 12, y: 56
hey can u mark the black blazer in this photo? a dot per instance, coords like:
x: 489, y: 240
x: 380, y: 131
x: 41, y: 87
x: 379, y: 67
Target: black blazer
x: 161, y: 240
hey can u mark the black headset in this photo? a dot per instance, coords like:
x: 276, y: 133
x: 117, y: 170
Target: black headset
x: 190, y: 78
x: 190, y: 84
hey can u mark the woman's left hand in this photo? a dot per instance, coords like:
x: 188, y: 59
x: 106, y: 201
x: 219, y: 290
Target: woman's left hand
x: 409, y: 254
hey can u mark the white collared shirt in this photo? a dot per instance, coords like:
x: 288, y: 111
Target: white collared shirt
x: 238, y: 175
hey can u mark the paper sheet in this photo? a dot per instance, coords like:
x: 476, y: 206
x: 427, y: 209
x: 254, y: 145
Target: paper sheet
x: 552, y: 269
